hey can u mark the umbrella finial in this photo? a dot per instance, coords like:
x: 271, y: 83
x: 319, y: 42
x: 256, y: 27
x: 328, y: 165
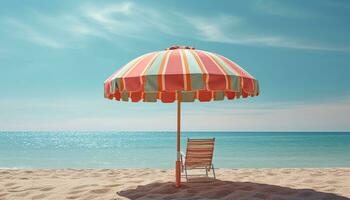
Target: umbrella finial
x: 179, y: 47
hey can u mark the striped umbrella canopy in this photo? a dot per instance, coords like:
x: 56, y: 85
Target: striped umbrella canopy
x: 197, y: 74
x: 182, y: 74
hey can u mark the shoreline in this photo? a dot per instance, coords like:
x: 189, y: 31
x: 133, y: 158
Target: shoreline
x: 141, y: 183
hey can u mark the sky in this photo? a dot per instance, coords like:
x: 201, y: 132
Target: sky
x: 55, y: 55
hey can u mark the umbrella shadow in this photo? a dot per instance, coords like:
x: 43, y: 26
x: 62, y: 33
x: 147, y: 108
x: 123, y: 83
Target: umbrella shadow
x: 218, y: 189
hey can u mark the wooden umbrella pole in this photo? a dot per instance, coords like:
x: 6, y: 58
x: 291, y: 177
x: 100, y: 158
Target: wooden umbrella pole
x: 178, y: 170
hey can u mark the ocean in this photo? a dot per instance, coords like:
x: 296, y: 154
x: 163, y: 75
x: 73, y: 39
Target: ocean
x: 158, y: 149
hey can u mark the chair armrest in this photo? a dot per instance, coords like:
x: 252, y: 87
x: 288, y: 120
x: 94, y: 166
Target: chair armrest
x: 182, y: 154
x: 183, y: 157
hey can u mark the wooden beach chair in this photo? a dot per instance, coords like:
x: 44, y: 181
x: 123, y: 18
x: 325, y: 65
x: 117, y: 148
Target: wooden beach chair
x: 199, y: 155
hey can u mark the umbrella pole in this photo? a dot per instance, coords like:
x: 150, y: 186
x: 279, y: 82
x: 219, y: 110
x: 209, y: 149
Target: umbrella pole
x: 178, y: 170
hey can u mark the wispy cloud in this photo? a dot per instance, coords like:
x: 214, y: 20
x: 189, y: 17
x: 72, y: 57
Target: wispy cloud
x: 29, y: 33
x: 231, y: 29
x: 129, y: 20
x: 126, y: 20
x: 219, y: 29
x: 113, y: 19
x: 283, y: 9
x: 111, y: 22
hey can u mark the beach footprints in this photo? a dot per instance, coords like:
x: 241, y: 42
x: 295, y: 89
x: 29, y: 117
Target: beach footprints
x: 88, y: 190
x: 39, y: 196
x: 130, y: 184
x: 113, y: 185
x: 100, y: 191
x: 84, y: 186
x: 45, y: 189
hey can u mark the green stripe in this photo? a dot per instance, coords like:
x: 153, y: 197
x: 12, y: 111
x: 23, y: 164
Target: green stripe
x: 196, y: 74
x: 115, y: 82
x: 151, y: 83
x: 187, y: 96
x: 125, y: 96
x: 219, y: 96
x: 154, y: 68
x: 256, y: 87
x: 227, y: 68
x: 235, y: 83
x: 150, y: 97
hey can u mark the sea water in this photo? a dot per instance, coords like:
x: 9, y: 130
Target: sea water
x: 158, y: 149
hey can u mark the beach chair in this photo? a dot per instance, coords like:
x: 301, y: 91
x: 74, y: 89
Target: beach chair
x: 199, y: 155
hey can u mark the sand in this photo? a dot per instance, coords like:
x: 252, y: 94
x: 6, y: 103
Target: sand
x: 118, y: 184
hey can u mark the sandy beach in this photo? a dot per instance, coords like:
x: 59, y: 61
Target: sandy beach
x: 118, y: 184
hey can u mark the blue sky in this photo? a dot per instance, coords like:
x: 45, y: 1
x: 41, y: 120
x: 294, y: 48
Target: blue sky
x: 55, y: 55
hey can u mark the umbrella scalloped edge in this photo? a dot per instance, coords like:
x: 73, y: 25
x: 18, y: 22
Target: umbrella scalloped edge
x: 170, y: 97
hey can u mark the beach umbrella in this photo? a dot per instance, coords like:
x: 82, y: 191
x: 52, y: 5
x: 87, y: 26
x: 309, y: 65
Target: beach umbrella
x: 181, y: 74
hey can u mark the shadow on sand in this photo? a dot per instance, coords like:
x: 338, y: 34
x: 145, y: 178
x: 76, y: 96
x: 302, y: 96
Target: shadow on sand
x: 224, y: 190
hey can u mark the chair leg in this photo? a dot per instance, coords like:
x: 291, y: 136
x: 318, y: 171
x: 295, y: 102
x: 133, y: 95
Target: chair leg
x: 206, y: 171
x: 182, y: 165
x: 212, y: 166
x: 186, y: 173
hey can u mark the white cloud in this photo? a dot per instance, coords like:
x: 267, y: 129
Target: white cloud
x: 117, y: 21
x: 75, y: 28
x: 113, y: 18
x: 29, y: 33
x: 128, y: 20
x: 112, y: 22
x: 230, y: 29
x: 282, y: 9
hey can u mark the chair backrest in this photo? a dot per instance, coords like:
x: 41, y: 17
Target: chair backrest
x: 199, y: 153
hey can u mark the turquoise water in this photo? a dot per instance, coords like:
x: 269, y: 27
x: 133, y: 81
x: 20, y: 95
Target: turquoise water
x: 157, y: 149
